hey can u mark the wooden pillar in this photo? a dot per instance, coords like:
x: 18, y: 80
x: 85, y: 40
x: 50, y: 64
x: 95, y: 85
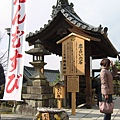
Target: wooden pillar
x: 42, y: 70
x: 73, y: 103
x: 65, y: 102
x: 59, y: 103
x: 87, y: 75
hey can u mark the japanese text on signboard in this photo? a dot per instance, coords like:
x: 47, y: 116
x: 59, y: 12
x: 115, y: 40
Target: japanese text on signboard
x: 73, y: 56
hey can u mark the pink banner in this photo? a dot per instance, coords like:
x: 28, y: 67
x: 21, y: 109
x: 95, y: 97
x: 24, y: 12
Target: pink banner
x: 14, y: 79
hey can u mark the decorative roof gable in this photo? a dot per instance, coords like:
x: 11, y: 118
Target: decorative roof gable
x: 63, y: 4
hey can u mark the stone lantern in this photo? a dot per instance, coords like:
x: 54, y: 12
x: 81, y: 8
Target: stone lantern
x: 37, y: 92
x: 38, y: 53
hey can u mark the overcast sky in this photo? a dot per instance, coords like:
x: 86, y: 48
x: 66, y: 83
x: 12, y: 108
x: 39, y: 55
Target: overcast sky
x: 94, y: 12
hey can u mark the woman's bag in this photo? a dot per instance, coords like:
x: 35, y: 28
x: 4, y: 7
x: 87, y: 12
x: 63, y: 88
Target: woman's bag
x: 106, y: 107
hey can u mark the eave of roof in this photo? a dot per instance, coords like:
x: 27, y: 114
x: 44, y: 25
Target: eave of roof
x: 50, y: 74
x: 69, y: 14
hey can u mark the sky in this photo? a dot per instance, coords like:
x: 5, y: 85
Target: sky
x: 93, y: 12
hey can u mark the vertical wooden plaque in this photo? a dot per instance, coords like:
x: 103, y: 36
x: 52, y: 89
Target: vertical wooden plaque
x: 72, y: 83
x: 73, y: 56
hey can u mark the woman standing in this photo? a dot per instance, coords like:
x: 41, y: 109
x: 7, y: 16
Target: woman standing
x: 106, y: 77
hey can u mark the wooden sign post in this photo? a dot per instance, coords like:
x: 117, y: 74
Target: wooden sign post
x: 59, y: 93
x: 73, y: 87
x: 73, y: 103
x: 73, y: 65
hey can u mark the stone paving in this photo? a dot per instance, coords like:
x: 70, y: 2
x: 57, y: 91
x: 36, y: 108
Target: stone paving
x: 81, y: 114
x: 94, y: 114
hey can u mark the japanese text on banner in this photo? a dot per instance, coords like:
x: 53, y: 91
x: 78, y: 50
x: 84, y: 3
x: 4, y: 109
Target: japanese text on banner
x: 14, y: 77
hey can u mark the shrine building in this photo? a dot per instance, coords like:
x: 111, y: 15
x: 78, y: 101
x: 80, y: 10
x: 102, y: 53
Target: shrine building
x: 65, y: 22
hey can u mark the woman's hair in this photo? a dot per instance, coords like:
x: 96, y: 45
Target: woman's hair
x: 105, y: 62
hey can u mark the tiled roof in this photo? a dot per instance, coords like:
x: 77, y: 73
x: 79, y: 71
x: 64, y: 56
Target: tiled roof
x: 68, y: 12
x: 51, y: 75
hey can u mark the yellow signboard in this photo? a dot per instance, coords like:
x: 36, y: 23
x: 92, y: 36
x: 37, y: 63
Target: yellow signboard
x: 73, y: 55
x: 72, y: 83
x: 59, y: 92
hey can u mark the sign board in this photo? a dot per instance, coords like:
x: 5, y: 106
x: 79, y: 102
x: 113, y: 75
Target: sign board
x: 72, y: 83
x: 59, y: 92
x: 73, y: 55
x: 45, y: 116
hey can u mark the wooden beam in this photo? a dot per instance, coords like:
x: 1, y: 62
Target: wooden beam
x: 87, y: 75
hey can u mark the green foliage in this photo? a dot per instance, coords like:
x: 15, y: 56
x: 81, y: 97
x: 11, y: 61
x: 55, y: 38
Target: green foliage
x: 117, y: 64
x: 116, y: 82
